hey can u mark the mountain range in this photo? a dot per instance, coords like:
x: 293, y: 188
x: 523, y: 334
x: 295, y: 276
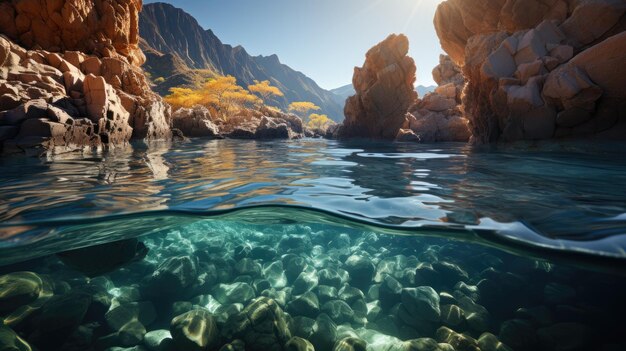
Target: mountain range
x: 344, y: 92
x: 180, y: 52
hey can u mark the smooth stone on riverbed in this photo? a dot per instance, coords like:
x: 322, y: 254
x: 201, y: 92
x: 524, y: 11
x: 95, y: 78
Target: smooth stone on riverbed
x: 422, y: 303
x: 235, y: 345
x: 194, y: 330
x: 18, y: 289
x: 306, y: 281
x: 262, y: 325
x: 158, y: 340
x: 361, y: 270
x: 350, y: 344
x: 339, y: 311
x: 306, y: 305
x: 121, y: 315
x: 298, y: 344
x: 234, y: 293
x: 173, y: 276
x: 10, y: 341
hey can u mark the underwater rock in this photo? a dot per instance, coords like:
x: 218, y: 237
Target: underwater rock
x: 234, y: 293
x: 518, y: 334
x: 194, y: 330
x: 247, y: 266
x: 326, y: 293
x: 306, y: 281
x: 294, y: 265
x: 460, y: 342
x: 331, y: 277
x: 422, y: 303
x: 10, y: 341
x: 59, y: 317
x: 172, y: 276
x: 275, y: 274
x: 361, y: 270
x: 489, y: 342
x: 121, y: 315
x: 565, y: 337
x: 452, y: 315
x: 350, y: 294
x: 18, y: 289
x: 306, y: 305
x: 261, y: 325
x: 350, y: 344
x: 339, y: 311
x: 298, y: 344
x: 158, y: 340
x: 235, y: 345
x: 324, y: 333
x: 389, y: 292
x: 100, y: 259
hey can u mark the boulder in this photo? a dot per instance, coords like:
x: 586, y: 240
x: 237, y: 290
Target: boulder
x: 270, y: 128
x: 194, y: 330
x: 261, y: 325
x: 195, y: 122
x: 384, y: 91
x: 18, y: 289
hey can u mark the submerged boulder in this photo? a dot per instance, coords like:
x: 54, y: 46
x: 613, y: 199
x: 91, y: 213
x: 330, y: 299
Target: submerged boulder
x: 262, y: 325
x: 195, y: 330
x: 100, y: 259
x: 18, y: 289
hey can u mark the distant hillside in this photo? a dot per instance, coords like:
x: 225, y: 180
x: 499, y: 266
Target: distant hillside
x: 180, y: 52
x: 344, y: 92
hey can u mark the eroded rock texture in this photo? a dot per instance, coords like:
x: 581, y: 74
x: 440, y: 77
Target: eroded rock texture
x: 70, y: 77
x: 384, y: 91
x: 539, y: 69
x: 438, y: 117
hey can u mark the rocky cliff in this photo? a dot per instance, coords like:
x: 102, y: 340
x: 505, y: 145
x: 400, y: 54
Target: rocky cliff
x: 539, y: 69
x: 438, y: 116
x: 171, y: 37
x: 384, y: 91
x: 70, y: 76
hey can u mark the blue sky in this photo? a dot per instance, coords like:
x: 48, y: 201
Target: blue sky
x: 324, y: 39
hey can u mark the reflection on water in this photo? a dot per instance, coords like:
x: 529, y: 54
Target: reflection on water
x: 572, y: 192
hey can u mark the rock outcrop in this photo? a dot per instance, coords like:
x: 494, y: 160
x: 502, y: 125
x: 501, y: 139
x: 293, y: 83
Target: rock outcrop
x: 384, y: 91
x: 264, y: 123
x: 538, y: 69
x: 438, y: 116
x: 70, y: 77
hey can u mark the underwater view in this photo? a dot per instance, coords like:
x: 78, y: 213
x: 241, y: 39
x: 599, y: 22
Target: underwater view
x: 315, y: 244
x: 284, y: 175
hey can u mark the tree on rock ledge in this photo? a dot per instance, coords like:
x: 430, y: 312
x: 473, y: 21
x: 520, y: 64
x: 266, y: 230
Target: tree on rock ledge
x: 384, y: 91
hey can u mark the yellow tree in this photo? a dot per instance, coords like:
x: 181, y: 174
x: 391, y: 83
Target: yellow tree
x: 317, y: 121
x: 221, y: 94
x: 265, y: 90
x: 302, y: 108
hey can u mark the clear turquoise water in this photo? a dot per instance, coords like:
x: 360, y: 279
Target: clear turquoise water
x: 534, y: 227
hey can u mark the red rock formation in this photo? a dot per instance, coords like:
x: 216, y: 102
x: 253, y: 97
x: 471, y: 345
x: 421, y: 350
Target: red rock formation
x: 538, y: 69
x: 384, y: 91
x: 438, y: 116
x: 104, y: 28
x: 98, y: 87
